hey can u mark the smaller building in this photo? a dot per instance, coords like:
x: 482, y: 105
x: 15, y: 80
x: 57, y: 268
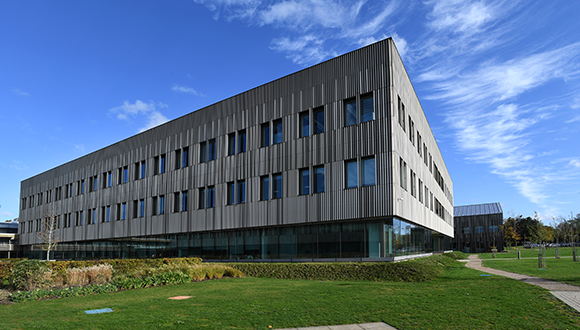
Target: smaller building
x: 9, y: 247
x: 478, y: 227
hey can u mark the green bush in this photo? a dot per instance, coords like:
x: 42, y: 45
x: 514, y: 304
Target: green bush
x: 457, y: 255
x: 423, y: 269
x: 29, y: 275
x: 21, y: 296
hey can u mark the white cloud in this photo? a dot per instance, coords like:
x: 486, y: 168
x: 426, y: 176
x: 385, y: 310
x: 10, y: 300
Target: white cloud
x: 6, y: 214
x: 303, y: 50
x: 574, y: 163
x: 18, y: 165
x: 460, y: 16
x: 149, y: 111
x: 186, y: 90
x: 19, y: 92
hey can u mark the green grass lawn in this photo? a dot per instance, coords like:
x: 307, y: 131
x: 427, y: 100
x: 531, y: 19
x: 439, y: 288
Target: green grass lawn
x: 459, y: 299
x: 528, y: 253
x: 562, y: 270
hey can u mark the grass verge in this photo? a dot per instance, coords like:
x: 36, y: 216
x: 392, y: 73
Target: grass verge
x: 458, y: 299
x: 563, y: 270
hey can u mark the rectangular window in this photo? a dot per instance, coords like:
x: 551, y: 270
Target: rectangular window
x: 118, y: 211
x: 413, y: 186
x: 411, y: 131
x: 277, y: 186
x: 93, y: 218
x: 420, y: 189
x: 304, y: 181
x: 419, y: 143
x: 425, y: 154
x: 80, y: 219
x: 162, y: 204
x: 231, y: 144
x: 185, y: 160
x: 318, y: 115
x: 318, y: 179
x: 426, y: 197
x: 154, y: 206
x: 143, y: 168
x: 109, y: 179
x: 177, y: 159
x: 351, y: 174
x: 304, y: 124
x: 367, y: 108
x: 184, y: 201
x: 265, y: 188
x: 141, y: 208
x: 176, y: 202
x: 265, y: 134
x: 124, y: 211
x: 210, y: 196
x: 135, y: 209
x: 278, y: 132
x: 136, y: 171
x: 368, y: 171
x: 95, y: 183
x: 162, y: 164
x: 108, y: 217
x: 202, y: 198
x: 350, y: 112
x: 403, y: 173
x: 155, y: 165
x: 211, y: 150
x: 203, y: 152
x: 241, y: 141
x: 241, y: 192
x: 125, y: 174
x: 82, y: 189
x: 231, y: 198
x: 401, y: 114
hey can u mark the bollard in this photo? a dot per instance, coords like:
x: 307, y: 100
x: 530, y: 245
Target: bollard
x: 519, y: 256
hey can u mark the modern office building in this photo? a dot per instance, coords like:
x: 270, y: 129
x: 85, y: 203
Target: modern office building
x: 9, y: 247
x: 333, y: 162
x: 478, y: 227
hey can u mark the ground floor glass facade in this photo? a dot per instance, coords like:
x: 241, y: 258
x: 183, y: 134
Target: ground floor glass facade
x: 360, y: 240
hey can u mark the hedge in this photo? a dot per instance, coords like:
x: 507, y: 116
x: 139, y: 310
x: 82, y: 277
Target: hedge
x: 418, y: 270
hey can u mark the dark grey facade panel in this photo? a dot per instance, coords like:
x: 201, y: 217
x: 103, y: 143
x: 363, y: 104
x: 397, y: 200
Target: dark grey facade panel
x: 477, y: 209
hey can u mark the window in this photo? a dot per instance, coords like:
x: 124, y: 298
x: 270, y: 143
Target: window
x: 120, y: 175
x: 265, y: 134
x: 154, y: 206
x: 419, y: 144
x: 231, y: 198
x: 162, y: 204
x: 185, y: 160
x: 304, y: 124
x: 411, y: 131
x: 368, y: 171
x: 350, y: 112
x: 426, y: 197
x: 201, y: 198
x: 125, y: 174
x: 351, y: 174
x: 479, y: 229
x: 202, y: 152
x: 176, y: 202
x: 401, y: 114
x: 241, y: 192
x: 95, y: 183
x: 304, y: 182
x: 177, y: 159
x: 403, y: 173
x: 156, y: 165
x: 420, y: 191
x: 318, y: 179
x: 265, y: 188
x: 231, y: 144
x: 108, y: 217
x: 466, y: 230
x: 94, y: 218
x: 124, y: 211
x: 241, y: 141
x: 184, y: 201
x: 318, y: 115
x: 210, y: 196
x: 162, y: 164
x: 425, y: 154
x: 430, y: 163
x: 493, y: 229
x: 276, y: 186
x: 143, y: 168
x: 413, y: 187
x: 135, y: 209
x: 211, y: 150
x: 136, y: 171
x: 82, y: 189
x: 80, y: 219
x: 367, y: 108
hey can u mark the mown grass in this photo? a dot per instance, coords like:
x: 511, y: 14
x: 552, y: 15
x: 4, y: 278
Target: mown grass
x: 528, y: 253
x: 458, y: 299
x: 563, y: 270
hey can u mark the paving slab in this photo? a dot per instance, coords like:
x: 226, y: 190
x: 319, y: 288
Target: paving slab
x: 362, y: 326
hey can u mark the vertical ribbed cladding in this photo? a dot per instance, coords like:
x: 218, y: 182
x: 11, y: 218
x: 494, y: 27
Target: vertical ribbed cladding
x: 327, y: 84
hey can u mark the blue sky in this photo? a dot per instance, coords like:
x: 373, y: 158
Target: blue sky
x: 499, y: 80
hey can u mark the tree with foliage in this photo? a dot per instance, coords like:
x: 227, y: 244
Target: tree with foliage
x: 48, y: 236
x: 510, y: 230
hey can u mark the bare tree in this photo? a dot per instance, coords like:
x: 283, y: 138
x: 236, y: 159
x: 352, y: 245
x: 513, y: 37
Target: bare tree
x: 48, y: 235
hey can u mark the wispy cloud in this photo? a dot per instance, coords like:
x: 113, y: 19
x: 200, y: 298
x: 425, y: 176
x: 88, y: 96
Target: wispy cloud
x: 185, y: 90
x: 19, y: 92
x: 574, y: 163
x: 6, y: 214
x: 149, y: 111
x: 311, y: 27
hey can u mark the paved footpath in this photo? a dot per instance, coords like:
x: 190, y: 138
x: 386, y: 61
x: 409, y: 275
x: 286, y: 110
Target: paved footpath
x: 363, y: 326
x: 570, y: 294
